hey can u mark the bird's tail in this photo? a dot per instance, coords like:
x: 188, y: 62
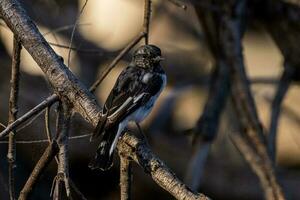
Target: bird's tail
x: 102, y: 159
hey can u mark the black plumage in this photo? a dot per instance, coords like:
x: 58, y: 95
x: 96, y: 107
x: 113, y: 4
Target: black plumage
x: 131, y: 99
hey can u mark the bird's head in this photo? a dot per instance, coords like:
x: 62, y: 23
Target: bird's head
x: 147, y: 56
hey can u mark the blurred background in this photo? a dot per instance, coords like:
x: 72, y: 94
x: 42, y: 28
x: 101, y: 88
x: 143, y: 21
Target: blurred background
x: 103, y: 29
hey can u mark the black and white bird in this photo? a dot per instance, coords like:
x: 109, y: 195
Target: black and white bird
x: 131, y: 99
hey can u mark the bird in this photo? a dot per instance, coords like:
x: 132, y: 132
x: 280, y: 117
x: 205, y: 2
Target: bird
x: 130, y: 100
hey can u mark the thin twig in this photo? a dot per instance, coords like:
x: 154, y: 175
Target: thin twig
x: 73, y: 31
x: 63, y: 126
x: 39, y: 168
x: 268, y: 182
x: 28, y: 123
x: 281, y: 91
x: 47, y: 124
x: 12, y: 115
x: 116, y: 60
x: 2, y: 125
x: 48, y: 128
x: 125, y: 177
x: 178, y: 3
x: 147, y: 18
x: 63, y: 28
x: 37, y: 109
x: 95, y: 51
x: 46, y: 140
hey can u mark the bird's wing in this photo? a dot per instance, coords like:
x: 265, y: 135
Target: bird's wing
x: 119, y: 97
x: 128, y: 94
x: 140, y: 94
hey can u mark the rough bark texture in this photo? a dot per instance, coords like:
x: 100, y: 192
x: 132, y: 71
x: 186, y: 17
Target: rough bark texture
x: 64, y: 83
x: 125, y: 177
x: 160, y: 173
x: 63, y: 125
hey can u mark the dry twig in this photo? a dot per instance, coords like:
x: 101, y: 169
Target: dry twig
x: 12, y: 116
x: 39, y: 168
x: 125, y: 177
x: 268, y: 182
x: 63, y: 124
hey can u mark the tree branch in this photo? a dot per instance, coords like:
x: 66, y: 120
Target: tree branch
x: 138, y: 150
x: 281, y: 91
x: 282, y: 18
x: 227, y: 31
x: 54, y: 98
x: 125, y: 177
x: 206, y: 128
x: 63, y: 125
x: 33, y: 112
x: 64, y: 83
x: 269, y: 184
x: 147, y: 18
x: 39, y: 168
x: 12, y: 115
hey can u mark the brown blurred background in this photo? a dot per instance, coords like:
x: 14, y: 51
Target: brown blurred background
x: 107, y: 26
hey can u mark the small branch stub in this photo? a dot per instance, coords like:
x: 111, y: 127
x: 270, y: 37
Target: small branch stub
x: 125, y: 177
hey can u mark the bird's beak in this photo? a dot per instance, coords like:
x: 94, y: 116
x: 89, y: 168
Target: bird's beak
x: 158, y: 59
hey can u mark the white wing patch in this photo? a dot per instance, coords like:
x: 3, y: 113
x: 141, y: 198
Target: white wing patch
x: 146, y: 77
x: 112, y: 116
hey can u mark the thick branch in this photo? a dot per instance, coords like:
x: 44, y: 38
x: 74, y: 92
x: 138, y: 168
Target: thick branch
x: 64, y: 83
x: 54, y: 98
x: 161, y: 174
